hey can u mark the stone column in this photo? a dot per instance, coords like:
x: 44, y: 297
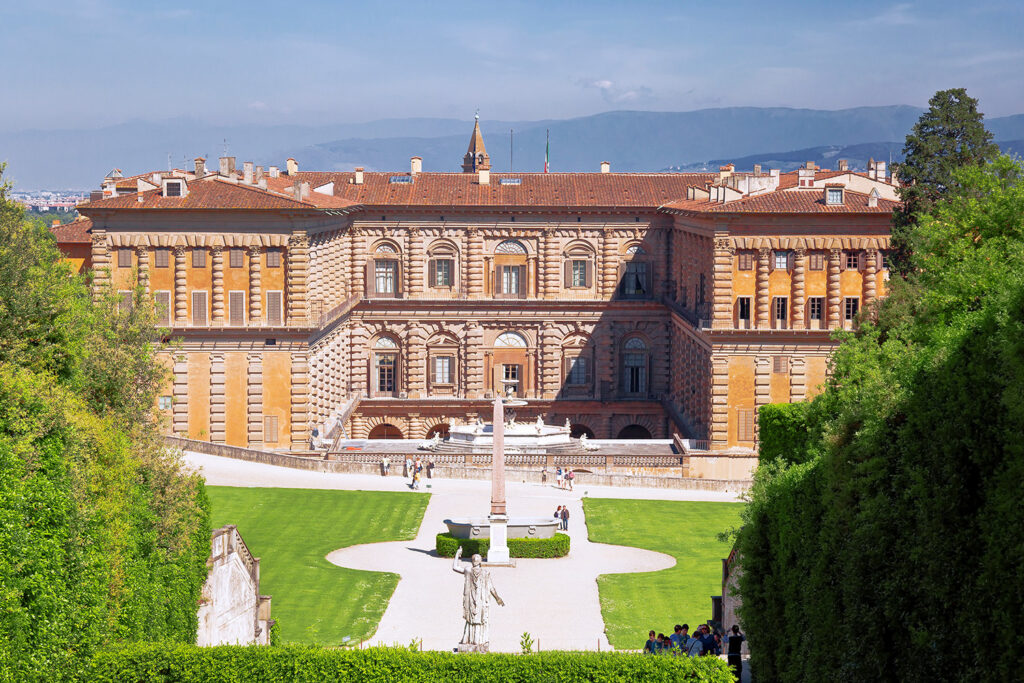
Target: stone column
x: 763, y: 313
x: 720, y: 401
x: 296, y: 268
x: 762, y: 385
x: 800, y: 262
x: 474, y: 361
x: 797, y: 379
x: 533, y: 275
x: 179, y: 407
x: 143, y: 253
x: 834, y: 293
x: 218, y: 406
x: 300, y: 401
x: 721, y: 283
x: 100, y: 262
x: 416, y: 258
x: 254, y: 401
x: 609, y: 264
x: 474, y: 284
x: 550, y: 348
x: 550, y: 266
x: 217, y: 284
x: 180, y: 286
x: 870, y: 277
x: 255, y: 287
x: 416, y: 355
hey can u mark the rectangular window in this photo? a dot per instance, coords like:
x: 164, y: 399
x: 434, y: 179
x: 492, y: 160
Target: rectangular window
x: 236, y: 258
x: 385, y: 277
x: 275, y: 312
x: 124, y: 258
x: 236, y: 308
x: 780, y: 365
x: 635, y: 369
x: 782, y: 260
x: 162, y: 258
x: 816, y: 308
x: 853, y: 260
x: 164, y: 403
x: 124, y: 301
x: 744, y: 424
x: 198, y: 257
x: 817, y: 260
x: 780, y: 312
x: 834, y: 195
x: 386, y: 373
x: 743, y: 311
x: 511, y: 279
x: 270, y: 429
x: 746, y: 260
x: 577, y: 375
x: 174, y: 189
x: 579, y: 273
x: 513, y: 377
x: 273, y: 258
x: 199, y: 308
x: 162, y: 306
x: 442, y: 275
x: 635, y: 280
x: 442, y: 370
x: 851, y: 305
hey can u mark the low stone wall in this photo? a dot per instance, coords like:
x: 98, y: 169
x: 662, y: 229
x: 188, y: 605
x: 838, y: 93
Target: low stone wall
x: 533, y: 475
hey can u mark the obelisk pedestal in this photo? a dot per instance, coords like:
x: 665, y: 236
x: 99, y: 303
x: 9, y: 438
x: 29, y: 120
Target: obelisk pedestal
x: 498, y: 553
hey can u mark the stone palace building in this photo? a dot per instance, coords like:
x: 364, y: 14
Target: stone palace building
x: 394, y: 305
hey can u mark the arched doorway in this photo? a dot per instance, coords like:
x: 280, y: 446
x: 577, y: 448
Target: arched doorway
x: 385, y: 431
x: 442, y: 429
x: 634, y: 432
x: 578, y: 430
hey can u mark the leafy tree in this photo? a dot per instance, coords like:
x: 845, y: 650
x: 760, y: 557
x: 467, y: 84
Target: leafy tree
x: 949, y: 136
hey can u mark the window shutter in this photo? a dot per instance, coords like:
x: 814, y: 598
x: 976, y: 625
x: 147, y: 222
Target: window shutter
x: 270, y: 429
x: 161, y: 258
x: 791, y: 260
x: 432, y: 273
x: 198, y: 257
x: 162, y: 301
x: 566, y: 369
x: 497, y: 279
x: 124, y: 304
x: 199, y: 308
x: 567, y: 273
x: 522, y: 379
x: 842, y: 260
x: 274, y: 307
x: 523, y: 289
x: 588, y: 270
x: 371, y: 283
x: 622, y: 279
x: 236, y: 306
x: 588, y: 374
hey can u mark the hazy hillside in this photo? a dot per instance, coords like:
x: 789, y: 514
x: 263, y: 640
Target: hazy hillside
x: 630, y: 140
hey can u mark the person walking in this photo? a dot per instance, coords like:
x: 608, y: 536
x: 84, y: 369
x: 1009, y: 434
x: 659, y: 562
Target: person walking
x: 569, y: 476
x: 385, y: 466
x: 735, y: 656
x: 565, y: 518
x: 415, y: 481
x: 678, y: 637
x: 558, y: 477
x: 430, y: 469
x: 694, y: 647
x: 408, y: 467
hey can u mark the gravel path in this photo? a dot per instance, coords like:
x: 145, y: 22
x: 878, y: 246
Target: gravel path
x: 555, y: 600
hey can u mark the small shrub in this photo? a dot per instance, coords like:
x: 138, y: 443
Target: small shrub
x: 526, y: 643
x: 558, y: 546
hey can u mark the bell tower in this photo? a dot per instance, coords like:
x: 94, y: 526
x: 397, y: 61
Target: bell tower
x: 477, y: 158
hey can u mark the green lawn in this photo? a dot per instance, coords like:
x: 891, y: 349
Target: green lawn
x: 291, y: 530
x: 633, y: 604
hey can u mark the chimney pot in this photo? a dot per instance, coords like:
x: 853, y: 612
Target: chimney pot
x: 247, y: 173
x: 843, y: 165
x: 200, y: 167
x: 261, y: 183
x: 358, y: 180
x: 227, y: 166
x: 416, y: 165
x: 606, y: 167
x: 259, y: 174
x: 275, y: 172
x: 757, y: 169
x: 292, y: 166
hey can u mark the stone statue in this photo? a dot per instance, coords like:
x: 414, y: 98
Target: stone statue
x: 539, y: 424
x: 568, y: 425
x: 476, y: 604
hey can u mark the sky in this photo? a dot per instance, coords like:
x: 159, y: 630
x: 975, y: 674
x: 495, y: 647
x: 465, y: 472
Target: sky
x: 89, y: 63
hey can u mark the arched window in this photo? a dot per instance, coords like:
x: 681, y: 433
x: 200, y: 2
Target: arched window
x: 441, y: 266
x: 442, y: 365
x: 383, y: 272
x: 510, y: 339
x: 635, y: 367
x: 385, y: 368
x: 578, y: 267
x: 385, y: 431
x: 635, y: 274
x: 510, y: 270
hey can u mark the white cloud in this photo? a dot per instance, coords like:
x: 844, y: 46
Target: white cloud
x: 616, y: 93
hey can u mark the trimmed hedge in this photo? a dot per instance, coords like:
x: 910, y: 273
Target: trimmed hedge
x: 191, y: 664
x: 517, y: 547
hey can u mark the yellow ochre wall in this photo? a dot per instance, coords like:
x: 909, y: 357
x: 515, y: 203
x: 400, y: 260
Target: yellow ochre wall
x: 236, y: 368
x: 199, y: 396
x: 741, y: 392
x: 277, y: 392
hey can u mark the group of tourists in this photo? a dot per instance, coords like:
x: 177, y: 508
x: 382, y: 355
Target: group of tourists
x: 702, y: 642
x: 563, y: 478
x: 414, y: 469
x: 562, y: 513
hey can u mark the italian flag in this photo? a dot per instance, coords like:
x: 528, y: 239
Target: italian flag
x: 547, y: 150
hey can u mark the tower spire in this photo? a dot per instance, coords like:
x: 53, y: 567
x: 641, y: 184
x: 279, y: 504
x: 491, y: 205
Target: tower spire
x: 477, y: 158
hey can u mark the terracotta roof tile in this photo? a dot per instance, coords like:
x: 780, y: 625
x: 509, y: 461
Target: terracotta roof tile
x: 808, y: 200
x: 76, y: 232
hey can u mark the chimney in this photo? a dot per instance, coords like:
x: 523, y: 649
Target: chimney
x: 292, y: 166
x: 484, y: 176
x: 200, y: 167
x: 873, y: 198
x: 358, y: 179
x: 297, y: 189
x: 725, y: 171
x: 810, y: 165
x: 880, y: 171
x: 247, y: 173
x: 305, y: 190
x: 262, y: 183
x: 843, y: 165
x: 606, y: 167
x: 274, y: 172
x: 227, y: 166
x: 259, y: 175
x: 416, y: 165
x: 805, y: 175
x: 156, y: 178
x: 757, y: 169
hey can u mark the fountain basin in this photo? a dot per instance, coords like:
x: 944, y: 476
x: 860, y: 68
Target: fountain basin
x: 520, y: 435
x: 518, y: 527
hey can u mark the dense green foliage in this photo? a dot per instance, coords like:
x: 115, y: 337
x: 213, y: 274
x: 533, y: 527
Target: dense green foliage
x: 557, y: 546
x: 633, y: 604
x: 782, y: 428
x: 895, y: 551
x: 102, y: 539
x: 292, y: 531
x: 947, y: 137
x: 185, y: 664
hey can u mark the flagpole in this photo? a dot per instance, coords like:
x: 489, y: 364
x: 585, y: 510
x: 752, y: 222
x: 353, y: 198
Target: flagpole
x: 547, y: 149
x: 511, y: 148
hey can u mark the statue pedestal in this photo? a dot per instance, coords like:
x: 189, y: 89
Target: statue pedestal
x: 498, y: 553
x: 466, y: 647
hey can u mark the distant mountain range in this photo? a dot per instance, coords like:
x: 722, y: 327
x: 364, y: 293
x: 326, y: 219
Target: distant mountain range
x: 630, y: 140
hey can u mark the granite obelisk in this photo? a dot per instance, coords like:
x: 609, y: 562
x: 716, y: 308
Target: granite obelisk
x: 498, y: 553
